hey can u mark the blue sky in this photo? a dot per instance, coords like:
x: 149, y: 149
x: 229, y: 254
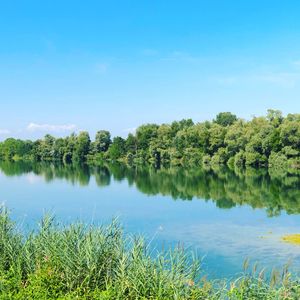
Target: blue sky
x: 88, y: 65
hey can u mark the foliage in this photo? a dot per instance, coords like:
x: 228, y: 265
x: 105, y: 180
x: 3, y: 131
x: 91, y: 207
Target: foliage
x: 260, y: 142
x: 82, y: 147
x: 89, y: 262
x: 102, y: 141
x: 117, y: 149
x: 225, y: 118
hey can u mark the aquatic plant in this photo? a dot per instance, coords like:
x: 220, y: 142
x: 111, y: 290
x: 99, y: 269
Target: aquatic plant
x: 292, y: 238
x: 99, y: 262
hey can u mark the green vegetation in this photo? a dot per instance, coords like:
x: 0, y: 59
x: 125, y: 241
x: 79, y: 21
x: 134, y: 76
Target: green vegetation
x: 272, y: 189
x: 89, y: 262
x: 273, y: 141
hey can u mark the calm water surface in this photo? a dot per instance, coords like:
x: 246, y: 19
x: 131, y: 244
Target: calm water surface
x: 225, y: 216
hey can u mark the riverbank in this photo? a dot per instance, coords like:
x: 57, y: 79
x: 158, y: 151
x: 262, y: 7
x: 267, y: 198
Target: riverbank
x: 89, y: 262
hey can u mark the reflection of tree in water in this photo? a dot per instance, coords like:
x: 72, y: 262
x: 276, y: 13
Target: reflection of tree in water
x: 274, y: 191
x: 15, y: 169
x: 74, y: 173
x: 102, y: 176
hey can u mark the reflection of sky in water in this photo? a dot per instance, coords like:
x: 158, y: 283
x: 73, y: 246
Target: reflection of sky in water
x: 225, y: 237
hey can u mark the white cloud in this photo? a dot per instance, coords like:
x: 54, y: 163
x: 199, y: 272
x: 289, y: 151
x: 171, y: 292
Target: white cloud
x: 4, y: 131
x: 32, y: 178
x: 50, y: 128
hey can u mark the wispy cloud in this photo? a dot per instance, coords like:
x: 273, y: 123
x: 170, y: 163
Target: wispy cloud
x: 4, y: 131
x: 50, y: 128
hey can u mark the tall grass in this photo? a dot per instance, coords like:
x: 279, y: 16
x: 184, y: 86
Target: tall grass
x: 87, y: 262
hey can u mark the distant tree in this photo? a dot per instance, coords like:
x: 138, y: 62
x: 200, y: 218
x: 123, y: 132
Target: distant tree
x: 216, y: 137
x: 225, y: 118
x: 47, y: 147
x: 131, y: 144
x: 235, y: 138
x: 179, y: 125
x: 102, y: 141
x: 12, y: 149
x: 273, y: 139
x: 144, y: 134
x: 290, y: 134
x: 82, y: 147
x: 275, y: 117
x: 59, y: 149
x: 117, y: 149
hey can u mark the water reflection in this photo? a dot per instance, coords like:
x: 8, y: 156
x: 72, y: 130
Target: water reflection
x: 273, y: 191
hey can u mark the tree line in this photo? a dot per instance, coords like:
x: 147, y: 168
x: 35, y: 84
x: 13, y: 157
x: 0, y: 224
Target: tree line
x: 272, y: 140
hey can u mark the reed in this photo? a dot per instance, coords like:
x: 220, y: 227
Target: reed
x: 99, y: 262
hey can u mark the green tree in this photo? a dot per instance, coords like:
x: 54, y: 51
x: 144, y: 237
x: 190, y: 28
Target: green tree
x: 117, y: 149
x: 131, y: 144
x: 216, y: 137
x: 235, y: 138
x: 144, y: 135
x: 226, y: 140
x: 102, y: 141
x: 275, y: 117
x: 82, y: 147
x: 225, y: 118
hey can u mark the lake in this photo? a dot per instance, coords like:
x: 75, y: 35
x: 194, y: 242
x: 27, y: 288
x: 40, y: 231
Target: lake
x: 223, y: 215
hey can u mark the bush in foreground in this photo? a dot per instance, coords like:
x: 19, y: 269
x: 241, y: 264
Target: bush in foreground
x: 87, y: 262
